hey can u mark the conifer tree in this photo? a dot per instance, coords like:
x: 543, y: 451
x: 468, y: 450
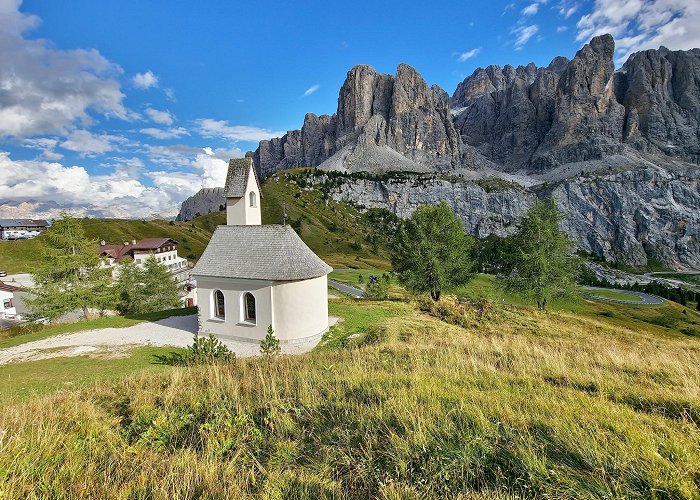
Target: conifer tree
x: 68, y: 275
x: 270, y: 345
x: 541, y: 265
x: 431, y: 252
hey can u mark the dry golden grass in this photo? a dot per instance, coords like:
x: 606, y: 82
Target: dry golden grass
x: 528, y: 404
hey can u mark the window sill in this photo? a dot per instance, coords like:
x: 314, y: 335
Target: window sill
x: 217, y: 320
x: 247, y: 323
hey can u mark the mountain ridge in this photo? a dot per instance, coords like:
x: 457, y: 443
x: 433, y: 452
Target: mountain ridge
x: 511, y: 119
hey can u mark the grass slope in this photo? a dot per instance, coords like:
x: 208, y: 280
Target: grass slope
x: 333, y: 230
x: 525, y: 404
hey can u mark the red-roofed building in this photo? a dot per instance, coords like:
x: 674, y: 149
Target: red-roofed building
x: 164, y: 250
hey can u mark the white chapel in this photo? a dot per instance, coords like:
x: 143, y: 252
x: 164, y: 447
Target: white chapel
x: 252, y: 276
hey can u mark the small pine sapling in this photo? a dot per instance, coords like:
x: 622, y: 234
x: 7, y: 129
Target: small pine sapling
x: 270, y: 346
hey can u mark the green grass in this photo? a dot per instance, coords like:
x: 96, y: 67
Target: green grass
x: 524, y: 404
x: 333, y: 230
x: 668, y: 318
x: 21, y: 335
x: 352, y: 276
x: 17, y: 256
x: 20, y: 381
x: 614, y: 294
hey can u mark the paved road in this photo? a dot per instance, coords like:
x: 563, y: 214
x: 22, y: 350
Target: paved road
x: 688, y: 273
x: 350, y: 290
x: 646, y: 299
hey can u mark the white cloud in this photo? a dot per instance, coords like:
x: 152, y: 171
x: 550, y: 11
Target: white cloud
x: 464, y: 56
x: 523, y: 34
x: 162, y: 117
x: 562, y: 29
x: 211, y: 128
x: 88, y: 144
x: 312, y: 89
x: 170, y: 133
x: 170, y: 95
x: 643, y: 24
x: 531, y: 9
x: 145, y: 80
x: 47, y: 90
x: 567, y: 8
x: 179, y: 155
x: 120, y: 192
x: 72, y: 186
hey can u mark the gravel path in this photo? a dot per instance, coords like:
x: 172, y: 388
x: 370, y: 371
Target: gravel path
x: 176, y: 331
x: 646, y: 299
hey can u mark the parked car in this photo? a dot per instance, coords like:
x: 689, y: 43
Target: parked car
x: 3, y: 274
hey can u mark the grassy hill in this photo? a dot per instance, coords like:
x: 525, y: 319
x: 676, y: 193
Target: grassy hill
x: 393, y: 404
x: 335, y: 231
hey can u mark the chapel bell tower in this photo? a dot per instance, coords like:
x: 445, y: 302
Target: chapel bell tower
x: 242, y: 192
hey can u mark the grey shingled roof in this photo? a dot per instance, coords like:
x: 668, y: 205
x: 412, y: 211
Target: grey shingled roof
x: 270, y: 252
x: 237, y: 177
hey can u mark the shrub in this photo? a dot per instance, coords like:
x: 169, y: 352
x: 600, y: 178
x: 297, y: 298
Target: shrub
x: 460, y: 312
x: 270, y: 346
x: 376, y: 288
x: 206, y: 350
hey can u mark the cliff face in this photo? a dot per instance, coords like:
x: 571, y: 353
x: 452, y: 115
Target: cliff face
x: 383, y: 122
x: 628, y: 217
x: 580, y: 110
x: 204, y: 201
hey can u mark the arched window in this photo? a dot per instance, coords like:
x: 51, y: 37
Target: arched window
x: 219, y: 305
x: 249, y: 307
x: 253, y: 199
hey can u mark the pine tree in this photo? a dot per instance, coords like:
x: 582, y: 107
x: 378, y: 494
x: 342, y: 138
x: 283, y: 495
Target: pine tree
x: 541, y: 265
x: 69, y: 275
x: 270, y: 345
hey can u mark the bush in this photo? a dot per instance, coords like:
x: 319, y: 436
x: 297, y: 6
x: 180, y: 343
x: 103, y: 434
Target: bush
x: 376, y: 288
x: 206, y: 350
x: 460, y: 312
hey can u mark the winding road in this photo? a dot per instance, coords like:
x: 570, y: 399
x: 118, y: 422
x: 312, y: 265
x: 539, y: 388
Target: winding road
x: 645, y: 298
x: 350, y: 290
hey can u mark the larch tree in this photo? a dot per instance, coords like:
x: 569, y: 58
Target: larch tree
x: 146, y: 289
x: 431, y: 252
x: 69, y: 275
x: 541, y: 265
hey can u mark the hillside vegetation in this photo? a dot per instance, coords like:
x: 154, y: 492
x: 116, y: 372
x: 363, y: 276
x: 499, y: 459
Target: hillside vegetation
x: 335, y: 231
x: 523, y: 403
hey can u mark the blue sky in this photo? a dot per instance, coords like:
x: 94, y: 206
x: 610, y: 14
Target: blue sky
x: 129, y: 107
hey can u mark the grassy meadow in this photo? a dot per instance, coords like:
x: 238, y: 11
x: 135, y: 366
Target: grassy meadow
x: 588, y: 400
x: 592, y: 400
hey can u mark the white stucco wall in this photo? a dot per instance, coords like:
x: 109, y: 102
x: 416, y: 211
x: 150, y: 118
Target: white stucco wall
x: 300, y: 308
x: 10, y: 311
x: 238, y: 210
x: 296, y: 310
x: 233, y: 326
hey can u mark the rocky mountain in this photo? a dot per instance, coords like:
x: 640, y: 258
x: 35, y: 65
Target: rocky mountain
x: 383, y: 122
x: 618, y: 149
x: 524, y: 119
x: 49, y: 210
x: 202, y: 202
